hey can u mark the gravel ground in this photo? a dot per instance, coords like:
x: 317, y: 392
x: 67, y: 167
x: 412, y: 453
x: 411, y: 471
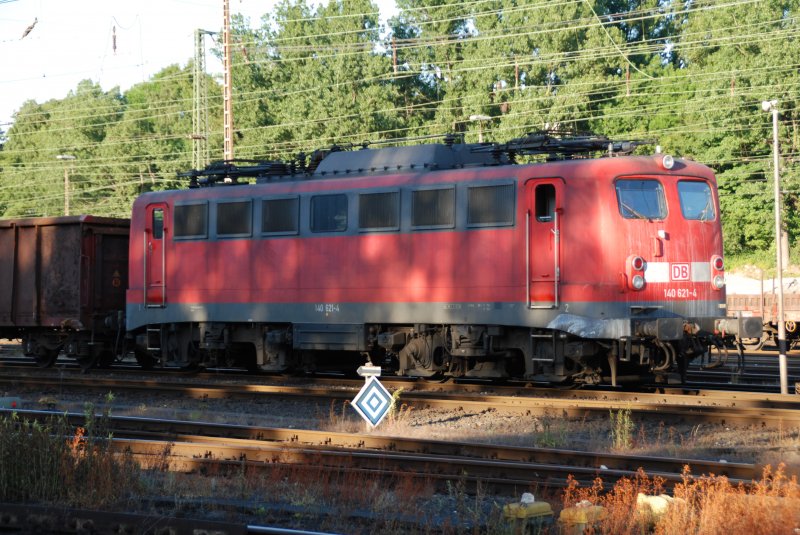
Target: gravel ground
x: 332, y: 505
x: 651, y: 437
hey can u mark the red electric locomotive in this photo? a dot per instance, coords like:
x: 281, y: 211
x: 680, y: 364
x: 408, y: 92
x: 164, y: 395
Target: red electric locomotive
x: 438, y: 259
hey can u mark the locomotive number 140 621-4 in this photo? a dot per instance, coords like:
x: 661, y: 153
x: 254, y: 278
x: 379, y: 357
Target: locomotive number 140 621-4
x: 680, y: 293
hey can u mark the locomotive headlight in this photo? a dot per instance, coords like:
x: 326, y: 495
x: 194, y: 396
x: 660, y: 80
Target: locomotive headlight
x: 667, y: 161
x: 637, y: 263
x: 718, y: 282
x: 717, y: 263
x: 637, y: 282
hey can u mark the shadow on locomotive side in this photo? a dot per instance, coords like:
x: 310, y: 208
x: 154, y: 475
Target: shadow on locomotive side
x: 584, y: 265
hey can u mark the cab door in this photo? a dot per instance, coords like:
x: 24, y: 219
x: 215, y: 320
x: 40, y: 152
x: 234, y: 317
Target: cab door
x: 155, y: 233
x: 543, y: 241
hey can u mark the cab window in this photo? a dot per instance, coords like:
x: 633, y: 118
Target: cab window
x: 641, y: 199
x: 696, y: 200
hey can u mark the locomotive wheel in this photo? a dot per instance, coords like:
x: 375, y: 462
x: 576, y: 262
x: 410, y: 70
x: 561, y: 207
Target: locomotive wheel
x: 87, y: 362
x: 144, y: 359
x: 45, y: 358
x: 190, y: 367
x: 436, y: 378
x: 193, y: 354
x: 105, y: 359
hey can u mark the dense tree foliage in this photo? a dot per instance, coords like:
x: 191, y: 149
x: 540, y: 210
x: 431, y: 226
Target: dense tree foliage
x: 689, y: 74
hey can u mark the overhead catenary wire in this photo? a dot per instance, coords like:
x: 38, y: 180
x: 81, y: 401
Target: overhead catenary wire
x: 634, y: 112
x: 731, y: 41
x: 729, y: 3
x: 756, y: 89
x: 433, y: 105
x: 751, y: 38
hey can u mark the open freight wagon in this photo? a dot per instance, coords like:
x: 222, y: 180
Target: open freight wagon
x: 765, y: 305
x: 62, y: 286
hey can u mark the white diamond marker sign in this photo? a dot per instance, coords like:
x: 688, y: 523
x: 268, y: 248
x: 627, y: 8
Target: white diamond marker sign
x: 373, y: 401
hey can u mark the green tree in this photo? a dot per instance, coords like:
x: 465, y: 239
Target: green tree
x: 152, y: 140
x: 74, y: 126
x: 313, y: 77
x: 735, y: 57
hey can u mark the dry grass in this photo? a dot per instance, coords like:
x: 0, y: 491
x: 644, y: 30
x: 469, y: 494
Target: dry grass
x: 702, y: 505
x: 53, y: 463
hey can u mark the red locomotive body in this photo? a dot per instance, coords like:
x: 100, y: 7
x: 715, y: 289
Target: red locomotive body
x: 436, y: 259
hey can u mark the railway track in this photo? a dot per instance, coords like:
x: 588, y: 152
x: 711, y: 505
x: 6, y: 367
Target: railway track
x: 200, y: 447
x: 214, y: 448
x: 670, y: 405
x: 759, y: 372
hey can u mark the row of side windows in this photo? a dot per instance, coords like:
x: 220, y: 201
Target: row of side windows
x: 431, y: 208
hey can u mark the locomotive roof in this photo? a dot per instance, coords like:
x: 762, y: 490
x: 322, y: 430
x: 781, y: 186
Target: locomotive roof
x: 341, y: 162
x: 390, y: 159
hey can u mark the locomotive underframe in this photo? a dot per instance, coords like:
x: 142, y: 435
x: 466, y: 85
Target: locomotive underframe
x: 427, y: 350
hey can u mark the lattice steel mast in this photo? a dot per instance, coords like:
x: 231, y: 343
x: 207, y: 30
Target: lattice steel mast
x: 200, y: 151
x: 227, y: 114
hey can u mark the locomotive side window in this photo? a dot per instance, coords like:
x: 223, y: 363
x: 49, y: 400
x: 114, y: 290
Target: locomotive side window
x: 234, y: 218
x: 280, y: 216
x: 490, y: 205
x: 329, y: 213
x: 641, y: 199
x: 696, y: 200
x: 379, y: 211
x: 433, y: 208
x: 191, y: 220
x: 545, y: 202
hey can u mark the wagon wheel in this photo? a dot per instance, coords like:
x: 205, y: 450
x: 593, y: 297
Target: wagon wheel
x: 45, y: 357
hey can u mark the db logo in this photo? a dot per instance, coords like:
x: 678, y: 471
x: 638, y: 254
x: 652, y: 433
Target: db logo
x: 679, y: 272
